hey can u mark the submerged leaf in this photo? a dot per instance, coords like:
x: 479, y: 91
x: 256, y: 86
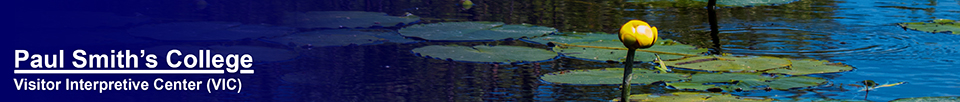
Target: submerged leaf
x: 473, y: 31
x: 344, y: 19
x: 937, y: 26
x: 485, y: 53
x: 746, y: 81
x: 609, y: 76
x: 693, y: 97
x: 929, y: 99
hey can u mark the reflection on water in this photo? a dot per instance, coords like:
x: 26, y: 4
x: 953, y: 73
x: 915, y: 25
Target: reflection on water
x: 861, y: 33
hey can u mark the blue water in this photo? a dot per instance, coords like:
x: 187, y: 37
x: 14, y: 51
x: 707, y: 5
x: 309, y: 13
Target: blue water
x: 927, y: 61
x: 859, y: 33
x: 872, y: 42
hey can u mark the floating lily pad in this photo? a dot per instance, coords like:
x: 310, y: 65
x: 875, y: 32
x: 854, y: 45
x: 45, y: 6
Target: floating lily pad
x: 929, y: 99
x: 693, y: 97
x: 784, y: 83
x: 746, y: 81
x: 587, y: 39
x: 339, y: 38
x: 609, y: 76
x: 803, y: 67
x: 730, y: 64
x: 259, y: 54
x: 937, y: 26
x: 720, y: 3
x: 347, y: 19
x: 612, y: 41
x: 501, y: 54
x: 609, y: 54
x: 207, y: 31
x: 727, y: 77
x: 473, y: 31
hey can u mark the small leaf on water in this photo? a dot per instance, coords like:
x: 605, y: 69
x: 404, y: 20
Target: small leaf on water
x: 936, y: 26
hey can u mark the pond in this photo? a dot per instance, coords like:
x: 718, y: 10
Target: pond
x: 863, y: 34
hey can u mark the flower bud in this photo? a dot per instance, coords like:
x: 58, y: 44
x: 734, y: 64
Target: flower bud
x: 638, y: 34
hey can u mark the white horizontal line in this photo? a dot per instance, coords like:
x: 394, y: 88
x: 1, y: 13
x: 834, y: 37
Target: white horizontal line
x: 120, y: 71
x: 246, y: 71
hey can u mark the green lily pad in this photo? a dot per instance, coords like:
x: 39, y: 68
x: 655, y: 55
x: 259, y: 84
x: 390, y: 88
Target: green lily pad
x: 804, y: 67
x: 611, y: 40
x: 937, y: 26
x: 784, y: 83
x: 720, y: 3
x: 587, y: 39
x: 730, y: 64
x: 259, y: 54
x: 746, y: 81
x: 344, y: 19
x: 609, y: 76
x: 339, y: 38
x: 694, y: 86
x: 480, y: 53
x: 693, y: 97
x: 473, y: 31
x: 929, y: 99
x: 207, y: 31
x: 941, y: 21
x: 727, y: 77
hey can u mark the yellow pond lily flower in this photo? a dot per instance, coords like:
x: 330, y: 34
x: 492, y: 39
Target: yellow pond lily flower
x: 467, y: 4
x: 638, y: 34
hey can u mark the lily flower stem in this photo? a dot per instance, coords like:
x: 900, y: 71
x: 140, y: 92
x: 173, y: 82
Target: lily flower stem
x: 627, y: 70
x: 867, y: 94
